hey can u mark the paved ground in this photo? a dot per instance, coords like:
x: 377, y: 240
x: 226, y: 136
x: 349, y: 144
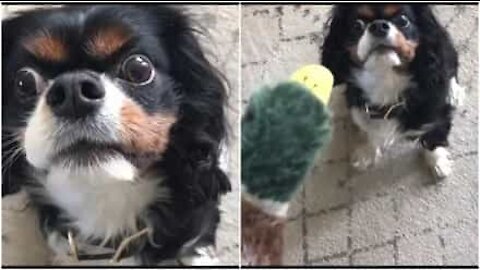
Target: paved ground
x: 221, y: 42
x: 391, y: 215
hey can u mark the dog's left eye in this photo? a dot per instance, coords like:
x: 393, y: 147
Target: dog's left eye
x: 358, y: 26
x: 403, y: 21
x: 137, y: 69
x: 27, y: 82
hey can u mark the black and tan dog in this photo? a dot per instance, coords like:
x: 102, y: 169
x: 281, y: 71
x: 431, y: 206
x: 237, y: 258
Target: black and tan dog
x: 400, y: 68
x: 113, y: 120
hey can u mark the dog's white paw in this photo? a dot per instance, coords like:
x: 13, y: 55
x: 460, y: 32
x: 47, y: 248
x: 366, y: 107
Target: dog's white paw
x: 365, y: 157
x: 206, y: 256
x: 439, y: 162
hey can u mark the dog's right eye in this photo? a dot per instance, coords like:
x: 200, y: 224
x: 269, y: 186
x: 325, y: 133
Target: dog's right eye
x: 138, y: 69
x: 358, y: 26
x: 403, y: 21
x: 26, y: 82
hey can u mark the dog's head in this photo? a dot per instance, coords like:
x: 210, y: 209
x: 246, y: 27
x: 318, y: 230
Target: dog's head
x: 376, y: 29
x: 356, y: 32
x: 107, y: 86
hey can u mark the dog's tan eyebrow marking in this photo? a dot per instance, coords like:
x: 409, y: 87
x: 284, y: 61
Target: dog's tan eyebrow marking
x: 46, y: 47
x: 365, y: 11
x: 390, y: 10
x: 106, y: 41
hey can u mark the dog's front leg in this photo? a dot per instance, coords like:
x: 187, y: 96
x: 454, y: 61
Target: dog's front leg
x: 367, y: 154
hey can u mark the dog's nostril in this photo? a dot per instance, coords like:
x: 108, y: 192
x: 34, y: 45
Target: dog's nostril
x: 379, y: 28
x: 90, y: 90
x: 75, y: 95
x: 56, y: 96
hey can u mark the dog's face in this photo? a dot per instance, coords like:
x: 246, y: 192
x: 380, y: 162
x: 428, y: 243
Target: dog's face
x: 373, y: 29
x: 90, y: 85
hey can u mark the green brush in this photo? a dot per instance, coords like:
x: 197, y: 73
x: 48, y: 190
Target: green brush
x: 284, y: 129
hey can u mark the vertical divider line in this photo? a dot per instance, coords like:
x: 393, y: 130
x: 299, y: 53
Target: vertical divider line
x: 239, y: 126
x: 304, y: 228
x: 350, y: 195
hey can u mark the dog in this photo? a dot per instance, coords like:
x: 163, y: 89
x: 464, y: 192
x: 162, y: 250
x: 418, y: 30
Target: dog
x: 400, y: 70
x: 113, y: 121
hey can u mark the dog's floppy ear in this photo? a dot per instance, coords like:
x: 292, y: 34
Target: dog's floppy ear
x: 11, y: 179
x: 197, y: 136
x: 8, y: 38
x: 15, y: 169
x: 334, y: 55
x: 436, y: 58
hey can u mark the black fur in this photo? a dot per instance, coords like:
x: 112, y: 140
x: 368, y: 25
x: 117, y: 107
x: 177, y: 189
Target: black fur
x: 195, y: 91
x: 435, y: 63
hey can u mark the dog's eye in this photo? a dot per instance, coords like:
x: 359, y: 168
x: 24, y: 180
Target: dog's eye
x: 403, y: 21
x: 26, y: 82
x: 358, y: 26
x: 137, y: 69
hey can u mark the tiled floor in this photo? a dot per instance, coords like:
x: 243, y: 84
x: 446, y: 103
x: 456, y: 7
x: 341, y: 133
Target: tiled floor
x: 393, y: 214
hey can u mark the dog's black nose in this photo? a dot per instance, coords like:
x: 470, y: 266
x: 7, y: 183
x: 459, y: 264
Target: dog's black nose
x: 75, y: 95
x: 379, y: 28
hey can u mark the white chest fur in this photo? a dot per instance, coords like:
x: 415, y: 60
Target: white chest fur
x: 100, y: 204
x: 381, y: 83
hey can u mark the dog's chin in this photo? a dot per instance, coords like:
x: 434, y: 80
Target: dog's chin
x: 84, y: 153
x: 379, y: 50
x: 109, y: 159
x: 385, y: 53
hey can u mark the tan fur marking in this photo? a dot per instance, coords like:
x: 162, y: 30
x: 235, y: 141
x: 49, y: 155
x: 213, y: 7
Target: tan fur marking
x: 405, y: 48
x: 262, y: 236
x: 142, y: 133
x: 107, y: 41
x: 365, y: 11
x: 352, y: 50
x: 46, y: 47
x: 390, y: 10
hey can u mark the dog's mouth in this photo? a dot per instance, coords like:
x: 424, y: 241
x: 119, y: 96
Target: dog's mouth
x: 384, y: 48
x: 87, y: 153
x: 381, y: 48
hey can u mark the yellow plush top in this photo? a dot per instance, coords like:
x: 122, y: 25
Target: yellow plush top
x: 318, y: 79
